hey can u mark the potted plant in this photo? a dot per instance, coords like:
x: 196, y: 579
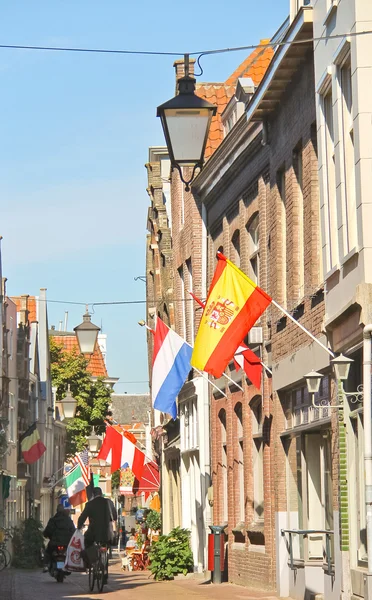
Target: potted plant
x: 171, y: 555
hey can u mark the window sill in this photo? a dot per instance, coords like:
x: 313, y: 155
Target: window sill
x: 332, y: 9
x: 239, y: 528
x: 257, y: 548
x: 350, y: 255
x: 332, y: 272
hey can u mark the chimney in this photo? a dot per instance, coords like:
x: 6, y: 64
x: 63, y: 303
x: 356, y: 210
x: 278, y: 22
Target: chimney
x: 23, y: 311
x: 179, y: 66
x: 3, y: 286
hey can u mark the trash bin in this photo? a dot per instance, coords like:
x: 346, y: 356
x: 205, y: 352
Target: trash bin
x: 216, y: 552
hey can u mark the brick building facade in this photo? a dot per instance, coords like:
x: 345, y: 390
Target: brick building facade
x: 262, y: 211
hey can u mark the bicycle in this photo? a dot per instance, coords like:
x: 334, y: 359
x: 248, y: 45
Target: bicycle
x: 6, y: 557
x: 98, y: 569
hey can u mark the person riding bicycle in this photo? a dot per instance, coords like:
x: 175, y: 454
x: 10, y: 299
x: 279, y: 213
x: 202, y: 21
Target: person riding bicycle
x: 101, y: 512
x: 59, y: 531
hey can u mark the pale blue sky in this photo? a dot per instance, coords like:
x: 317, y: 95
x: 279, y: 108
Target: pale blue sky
x: 74, y: 136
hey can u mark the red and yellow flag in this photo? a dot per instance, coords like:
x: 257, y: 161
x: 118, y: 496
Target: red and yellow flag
x: 233, y: 306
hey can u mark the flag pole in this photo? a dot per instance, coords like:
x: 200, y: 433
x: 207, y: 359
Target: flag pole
x: 287, y: 314
x: 209, y: 381
x: 266, y: 368
x: 232, y: 381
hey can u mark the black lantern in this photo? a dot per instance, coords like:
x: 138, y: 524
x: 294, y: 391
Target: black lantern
x: 186, y: 120
x: 87, y: 334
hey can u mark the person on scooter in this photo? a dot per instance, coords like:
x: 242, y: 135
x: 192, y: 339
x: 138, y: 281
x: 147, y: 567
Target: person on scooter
x: 101, y: 512
x: 59, y: 530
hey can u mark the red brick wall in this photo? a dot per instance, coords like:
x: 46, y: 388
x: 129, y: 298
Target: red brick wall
x: 252, y: 188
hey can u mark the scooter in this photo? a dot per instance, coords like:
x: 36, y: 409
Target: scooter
x: 57, y: 565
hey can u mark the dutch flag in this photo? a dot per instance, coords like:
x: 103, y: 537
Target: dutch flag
x: 170, y: 367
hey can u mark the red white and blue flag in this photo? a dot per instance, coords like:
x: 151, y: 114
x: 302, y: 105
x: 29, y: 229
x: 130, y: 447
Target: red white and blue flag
x: 170, y: 367
x: 83, y: 460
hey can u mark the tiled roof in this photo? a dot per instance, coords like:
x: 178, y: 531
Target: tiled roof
x: 254, y: 66
x: 96, y: 365
x: 218, y: 94
x: 30, y: 306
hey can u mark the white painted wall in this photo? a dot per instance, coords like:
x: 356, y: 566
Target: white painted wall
x: 353, y: 265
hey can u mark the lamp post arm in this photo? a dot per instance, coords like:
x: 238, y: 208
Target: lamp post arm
x: 188, y: 181
x: 367, y: 417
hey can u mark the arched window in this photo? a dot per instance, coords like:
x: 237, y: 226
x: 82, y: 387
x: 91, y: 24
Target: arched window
x: 236, y: 248
x: 222, y: 420
x: 253, y: 229
x: 239, y: 461
x: 257, y: 456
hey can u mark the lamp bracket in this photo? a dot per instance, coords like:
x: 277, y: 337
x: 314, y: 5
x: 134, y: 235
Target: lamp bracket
x: 198, y: 165
x: 353, y: 397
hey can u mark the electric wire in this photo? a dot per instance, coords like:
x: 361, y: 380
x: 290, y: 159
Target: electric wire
x: 270, y: 44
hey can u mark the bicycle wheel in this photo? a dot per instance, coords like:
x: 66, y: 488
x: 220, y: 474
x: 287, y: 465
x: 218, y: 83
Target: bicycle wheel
x: 92, y: 577
x: 2, y: 560
x: 101, y: 570
x: 8, y: 556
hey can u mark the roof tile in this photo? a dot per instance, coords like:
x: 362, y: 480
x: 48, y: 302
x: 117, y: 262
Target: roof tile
x: 253, y: 66
x: 96, y: 365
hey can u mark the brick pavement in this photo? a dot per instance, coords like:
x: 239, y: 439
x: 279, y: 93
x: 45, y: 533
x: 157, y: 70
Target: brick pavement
x: 34, y: 585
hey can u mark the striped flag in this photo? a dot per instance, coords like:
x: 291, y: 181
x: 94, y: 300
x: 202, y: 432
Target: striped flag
x: 82, y: 459
x: 233, y: 306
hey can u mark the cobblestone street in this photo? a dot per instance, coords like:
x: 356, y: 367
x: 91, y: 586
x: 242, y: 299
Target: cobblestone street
x: 34, y: 585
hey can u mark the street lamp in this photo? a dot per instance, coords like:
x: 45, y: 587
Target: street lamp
x: 94, y: 442
x: 341, y: 365
x: 87, y: 334
x: 313, y: 384
x: 68, y: 405
x: 186, y: 120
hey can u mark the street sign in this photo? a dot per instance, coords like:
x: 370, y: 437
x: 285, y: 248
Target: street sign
x: 64, y: 501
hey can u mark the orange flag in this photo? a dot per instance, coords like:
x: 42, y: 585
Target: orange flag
x: 233, y: 306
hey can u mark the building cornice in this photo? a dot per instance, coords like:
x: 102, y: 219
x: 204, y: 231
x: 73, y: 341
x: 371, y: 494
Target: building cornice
x: 225, y: 157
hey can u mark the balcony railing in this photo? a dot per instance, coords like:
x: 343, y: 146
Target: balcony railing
x: 305, y: 532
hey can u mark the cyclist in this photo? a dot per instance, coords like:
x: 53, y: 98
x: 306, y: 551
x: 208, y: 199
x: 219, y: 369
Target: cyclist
x: 100, y: 512
x: 59, y: 530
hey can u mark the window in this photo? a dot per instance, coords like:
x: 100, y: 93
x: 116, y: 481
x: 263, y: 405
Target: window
x: 190, y: 303
x: 253, y: 228
x: 258, y: 476
x: 309, y: 491
x: 282, y: 247
x: 236, y: 248
x: 349, y: 161
x: 189, y: 425
x: 10, y: 347
x: 239, y: 462
x: 182, y: 301
x: 223, y: 465
x: 330, y: 183
x: 299, y: 225
x: 12, y: 419
x: 358, y: 491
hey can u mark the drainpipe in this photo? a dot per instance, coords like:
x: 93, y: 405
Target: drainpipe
x: 367, y: 421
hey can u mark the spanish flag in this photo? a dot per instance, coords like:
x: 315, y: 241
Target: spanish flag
x: 31, y: 445
x: 233, y: 306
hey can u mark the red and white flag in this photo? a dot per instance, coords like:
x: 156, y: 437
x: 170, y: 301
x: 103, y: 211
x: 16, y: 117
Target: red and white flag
x: 120, y: 452
x: 251, y: 364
